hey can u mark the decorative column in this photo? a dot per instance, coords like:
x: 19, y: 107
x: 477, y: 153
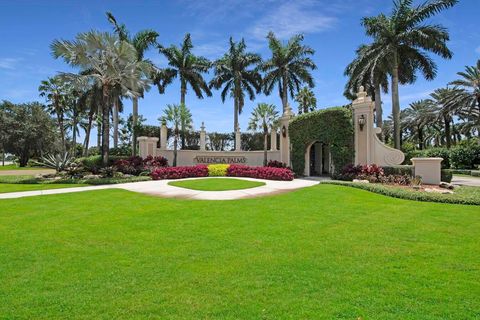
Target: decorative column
x: 284, y: 136
x: 163, y: 136
x: 273, y: 139
x: 203, y: 135
x: 238, y: 139
x: 147, y: 146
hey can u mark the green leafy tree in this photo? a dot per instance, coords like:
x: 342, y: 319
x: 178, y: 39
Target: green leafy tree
x: 237, y: 72
x: 306, y: 100
x: 288, y: 68
x: 418, y: 116
x: 189, y: 68
x: 31, y: 130
x: 141, y: 41
x: 111, y: 65
x: 404, y: 36
x: 263, y: 117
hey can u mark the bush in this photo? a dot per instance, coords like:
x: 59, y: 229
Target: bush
x: 137, y: 165
x: 154, y: 162
x: 179, y: 172
x: 269, y: 173
x: 93, y: 164
x: 217, y: 170
x: 446, y: 175
x: 465, y: 156
x: 276, y: 164
x: 398, y: 170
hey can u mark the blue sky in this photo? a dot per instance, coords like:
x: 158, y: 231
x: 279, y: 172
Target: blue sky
x: 331, y: 27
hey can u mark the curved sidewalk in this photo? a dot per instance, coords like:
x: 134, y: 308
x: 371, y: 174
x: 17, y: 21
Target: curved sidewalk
x: 162, y: 189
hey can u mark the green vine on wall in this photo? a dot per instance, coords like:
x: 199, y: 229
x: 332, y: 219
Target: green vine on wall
x: 332, y: 126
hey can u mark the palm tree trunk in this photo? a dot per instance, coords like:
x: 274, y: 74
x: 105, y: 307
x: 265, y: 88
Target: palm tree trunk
x: 265, y: 146
x: 448, y: 134
x: 396, y: 103
x: 134, y: 125
x: 105, y: 126
x: 235, y: 116
x: 378, y: 109
x: 87, y: 134
x: 115, y: 123
x: 420, y: 138
x: 98, y: 120
x: 175, y: 146
x: 284, y: 94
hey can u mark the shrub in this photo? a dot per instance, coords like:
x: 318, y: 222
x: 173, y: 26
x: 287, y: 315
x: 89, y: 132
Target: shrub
x: 276, y: 164
x: 465, y: 156
x: 93, y: 164
x: 154, y: 162
x: 179, y: 172
x: 349, y: 172
x: 398, y: 170
x: 372, y: 172
x: 137, y: 165
x: 446, y: 175
x: 217, y: 170
x: 269, y: 173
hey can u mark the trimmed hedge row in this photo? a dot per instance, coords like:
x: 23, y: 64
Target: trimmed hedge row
x: 269, y: 173
x: 400, y: 193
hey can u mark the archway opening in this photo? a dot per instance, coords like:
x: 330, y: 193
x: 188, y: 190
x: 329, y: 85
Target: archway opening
x: 318, y: 160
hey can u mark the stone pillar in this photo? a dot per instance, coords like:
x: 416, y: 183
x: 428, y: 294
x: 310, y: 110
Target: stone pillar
x: 147, y: 146
x: 163, y: 137
x: 429, y: 169
x: 284, y: 136
x: 238, y: 139
x: 273, y: 140
x: 203, y: 135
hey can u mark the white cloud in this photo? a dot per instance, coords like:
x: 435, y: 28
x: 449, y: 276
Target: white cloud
x: 9, y: 63
x: 292, y: 18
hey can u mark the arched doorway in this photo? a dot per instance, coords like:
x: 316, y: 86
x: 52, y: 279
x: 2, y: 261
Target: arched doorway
x: 318, y: 160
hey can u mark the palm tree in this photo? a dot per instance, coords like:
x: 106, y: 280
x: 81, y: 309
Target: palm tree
x: 186, y: 122
x: 403, y: 36
x: 141, y: 41
x: 288, y: 67
x: 306, y: 100
x: 55, y: 92
x: 446, y: 108
x: 174, y: 115
x: 237, y: 72
x: 417, y: 117
x: 263, y: 117
x: 109, y: 63
x: 469, y: 95
x: 188, y: 67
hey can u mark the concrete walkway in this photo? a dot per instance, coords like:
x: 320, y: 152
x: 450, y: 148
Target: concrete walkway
x: 162, y: 189
x: 466, y: 181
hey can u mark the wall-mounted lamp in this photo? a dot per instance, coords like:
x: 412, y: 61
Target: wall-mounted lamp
x: 284, y: 131
x: 361, y: 122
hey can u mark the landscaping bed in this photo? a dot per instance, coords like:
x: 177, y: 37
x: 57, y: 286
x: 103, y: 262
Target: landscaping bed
x: 216, y: 184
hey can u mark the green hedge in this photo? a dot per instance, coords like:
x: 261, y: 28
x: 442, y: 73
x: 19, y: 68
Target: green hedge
x: 400, y: 170
x: 332, y: 126
x: 94, y: 163
x: 468, y: 198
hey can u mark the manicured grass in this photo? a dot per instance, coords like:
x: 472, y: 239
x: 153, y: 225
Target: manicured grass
x: 8, y: 187
x: 28, y: 179
x: 216, y: 184
x: 325, y: 252
x: 16, y: 167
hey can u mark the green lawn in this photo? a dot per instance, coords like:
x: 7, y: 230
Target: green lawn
x: 7, y: 187
x: 325, y: 252
x: 16, y: 167
x: 216, y: 184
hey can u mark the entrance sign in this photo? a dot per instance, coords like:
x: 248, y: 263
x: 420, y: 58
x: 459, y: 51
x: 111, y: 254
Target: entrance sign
x: 207, y: 159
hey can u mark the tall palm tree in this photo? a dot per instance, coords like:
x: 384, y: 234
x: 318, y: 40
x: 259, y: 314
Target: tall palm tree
x: 263, y: 117
x: 111, y: 64
x: 469, y: 95
x: 186, y: 122
x: 55, y: 92
x: 188, y: 67
x: 418, y: 116
x: 404, y: 36
x: 141, y: 41
x: 289, y: 67
x: 174, y: 115
x: 237, y: 72
x: 306, y: 100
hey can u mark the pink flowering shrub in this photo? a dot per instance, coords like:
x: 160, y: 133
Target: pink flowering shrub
x: 269, y: 173
x: 136, y: 165
x: 179, y: 172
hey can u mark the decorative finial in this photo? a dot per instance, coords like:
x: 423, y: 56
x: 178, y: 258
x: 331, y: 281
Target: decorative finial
x: 361, y: 89
x: 203, y: 126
